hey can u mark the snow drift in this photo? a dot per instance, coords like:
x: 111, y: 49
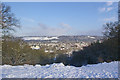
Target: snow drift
x: 58, y: 70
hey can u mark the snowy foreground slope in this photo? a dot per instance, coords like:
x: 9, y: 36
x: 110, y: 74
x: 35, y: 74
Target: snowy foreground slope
x: 101, y: 70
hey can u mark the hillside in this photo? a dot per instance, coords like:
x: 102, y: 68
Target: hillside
x: 84, y: 38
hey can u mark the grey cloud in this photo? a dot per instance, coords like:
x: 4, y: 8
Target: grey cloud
x: 43, y: 29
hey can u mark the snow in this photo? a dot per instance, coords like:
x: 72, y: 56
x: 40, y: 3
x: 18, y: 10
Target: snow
x: 59, y: 70
x: 91, y: 37
x: 39, y: 38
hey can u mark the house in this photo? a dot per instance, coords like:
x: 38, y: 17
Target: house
x: 35, y: 47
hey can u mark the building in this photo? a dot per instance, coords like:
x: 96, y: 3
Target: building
x: 35, y: 47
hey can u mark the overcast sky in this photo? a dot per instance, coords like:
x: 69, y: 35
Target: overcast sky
x: 63, y: 18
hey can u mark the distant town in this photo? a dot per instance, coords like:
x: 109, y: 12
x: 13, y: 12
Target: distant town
x: 60, y: 44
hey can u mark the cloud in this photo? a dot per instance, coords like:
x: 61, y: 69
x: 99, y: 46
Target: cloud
x: 43, y: 26
x: 65, y: 25
x: 109, y: 3
x: 110, y: 19
x: 102, y: 9
x: 28, y: 19
x: 106, y: 9
x: 45, y: 30
x: 109, y: 9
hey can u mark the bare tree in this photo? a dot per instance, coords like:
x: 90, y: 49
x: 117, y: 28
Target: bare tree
x: 8, y: 22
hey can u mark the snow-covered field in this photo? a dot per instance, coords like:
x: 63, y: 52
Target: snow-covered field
x: 58, y: 70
